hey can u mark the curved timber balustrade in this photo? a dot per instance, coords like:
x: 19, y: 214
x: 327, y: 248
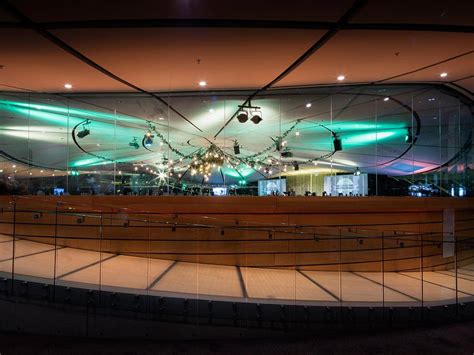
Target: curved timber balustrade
x: 399, y: 251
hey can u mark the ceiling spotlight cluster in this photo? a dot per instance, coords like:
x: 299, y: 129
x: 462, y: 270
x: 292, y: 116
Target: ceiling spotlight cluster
x: 246, y: 111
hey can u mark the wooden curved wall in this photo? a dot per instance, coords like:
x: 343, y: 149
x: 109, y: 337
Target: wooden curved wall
x: 316, y: 233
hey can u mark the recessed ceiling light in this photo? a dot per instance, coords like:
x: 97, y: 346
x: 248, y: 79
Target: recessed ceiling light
x: 308, y: 105
x: 68, y: 86
x: 297, y: 133
x: 386, y: 98
x: 341, y: 77
x: 443, y: 75
x: 211, y: 110
x: 202, y: 83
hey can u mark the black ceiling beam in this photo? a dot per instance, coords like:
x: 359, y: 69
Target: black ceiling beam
x: 238, y: 23
x: 425, y: 67
x: 7, y: 6
x: 349, y: 14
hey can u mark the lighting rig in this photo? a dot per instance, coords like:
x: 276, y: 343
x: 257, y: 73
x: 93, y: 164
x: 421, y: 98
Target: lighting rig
x: 246, y: 111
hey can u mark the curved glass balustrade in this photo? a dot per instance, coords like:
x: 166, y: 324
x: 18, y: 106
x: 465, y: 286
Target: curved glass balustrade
x: 391, y: 140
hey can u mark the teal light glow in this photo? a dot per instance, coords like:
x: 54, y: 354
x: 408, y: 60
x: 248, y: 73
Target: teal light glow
x: 367, y: 138
x: 244, y: 172
x: 81, y: 113
x: 87, y: 162
x: 57, y: 119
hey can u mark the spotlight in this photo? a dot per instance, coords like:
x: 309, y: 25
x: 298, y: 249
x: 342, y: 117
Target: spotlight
x: 337, y: 143
x: 242, y: 117
x: 134, y: 143
x: 256, y: 118
x: 148, y: 140
x: 236, y: 148
x: 85, y: 130
x: 83, y: 133
x: 278, y: 143
x: 247, y: 109
x: 357, y: 172
x: 409, y: 136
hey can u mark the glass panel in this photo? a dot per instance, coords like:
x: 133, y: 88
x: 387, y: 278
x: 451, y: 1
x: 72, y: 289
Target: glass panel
x: 7, y: 233
x: 79, y: 251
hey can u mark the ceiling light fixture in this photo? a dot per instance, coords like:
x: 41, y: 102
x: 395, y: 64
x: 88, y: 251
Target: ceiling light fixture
x: 386, y: 99
x: 443, y: 75
x: 68, y: 86
x: 134, y: 143
x: 337, y: 143
x: 202, y: 83
x: 236, y: 147
x: 148, y: 140
x: 308, y: 105
x: 248, y: 110
x: 242, y: 116
x: 409, y: 136
x: 341, y: 77
x: 85, y: 130
x: 257, y: 117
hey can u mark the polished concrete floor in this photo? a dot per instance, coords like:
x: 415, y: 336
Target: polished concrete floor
x: 89, y: 269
